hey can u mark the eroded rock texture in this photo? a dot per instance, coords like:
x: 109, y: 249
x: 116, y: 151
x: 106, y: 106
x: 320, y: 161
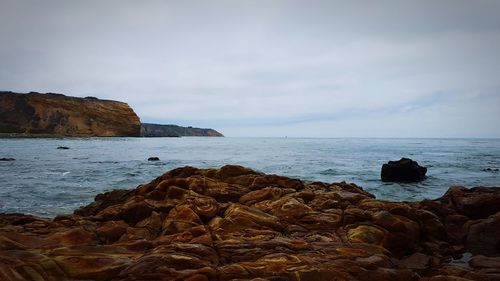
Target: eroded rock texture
x: 36, y: 114
x: 235, y: 224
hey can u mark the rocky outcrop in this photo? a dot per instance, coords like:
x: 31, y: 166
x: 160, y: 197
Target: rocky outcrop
x: 36, y: 114
x: 156, y: 130
x: 234, y: 223
x: 471, y: 216
x: 7, y: 159
x: 403, y: 170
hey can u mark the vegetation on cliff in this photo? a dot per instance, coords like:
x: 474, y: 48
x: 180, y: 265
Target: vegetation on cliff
x: 157, y: 130
x: 35, y: 114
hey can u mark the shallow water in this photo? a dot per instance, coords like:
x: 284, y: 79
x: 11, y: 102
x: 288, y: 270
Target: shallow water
x: 48, y: 181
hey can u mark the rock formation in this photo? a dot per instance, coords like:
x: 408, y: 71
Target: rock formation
x: 7, y: 159
x: 234, y: 223
x: 156, y: 130
x: 35, y: 114
x: 403, y: 170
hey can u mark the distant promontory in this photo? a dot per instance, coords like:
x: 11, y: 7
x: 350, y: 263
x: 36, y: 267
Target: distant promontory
x: 156, y: 130
x: 56, y: 115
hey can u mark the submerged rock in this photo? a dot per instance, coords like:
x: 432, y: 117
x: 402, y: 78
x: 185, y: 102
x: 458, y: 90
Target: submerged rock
x: 62, y: 147
x: 153, y: 159
x: 7, y: 159
x: 234, y: 223
x: 403, y: 170
x: 491, y: 170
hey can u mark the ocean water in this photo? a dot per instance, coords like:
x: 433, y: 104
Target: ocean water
x: 47, y: 181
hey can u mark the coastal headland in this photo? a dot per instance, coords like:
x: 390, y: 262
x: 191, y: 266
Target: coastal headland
x: 34, y: 114
x: 234, y: 223
x: 56, y: 115
x: 158, y: 130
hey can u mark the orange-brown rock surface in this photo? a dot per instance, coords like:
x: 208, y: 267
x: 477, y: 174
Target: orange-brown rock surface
x: 35, y: 114
x: 236, y: 224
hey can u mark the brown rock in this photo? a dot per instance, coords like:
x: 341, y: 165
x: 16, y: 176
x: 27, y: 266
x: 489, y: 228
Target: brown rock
x: 456, y: 227
x: 153, y: 224
x: 484, y: 236
x: 93, y: 267
x: 415, y: 261
x: 220, y: 191
x: 236, y: 224
x: 102, y: 201
x: 476, y: 203
x: 231, y: 171
x: 179, y: 219
x: 204, y: 206
x: 49, y: 114
x: 481, y: 261
x: 432, y: 225
x: 268, y: 193
x: 111, y: 231
x: 403, y: 233
x: 367, y: 234
x: 374, y: 261
x: 76, y: 236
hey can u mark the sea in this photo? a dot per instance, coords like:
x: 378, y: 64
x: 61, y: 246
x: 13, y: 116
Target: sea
x: 47, y: 181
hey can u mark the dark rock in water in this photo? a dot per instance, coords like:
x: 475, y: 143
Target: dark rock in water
x: 490, y: 170
x: 404, y: 170
x: 62, y: 147
x: 7, y: 159
x: 153, y: 159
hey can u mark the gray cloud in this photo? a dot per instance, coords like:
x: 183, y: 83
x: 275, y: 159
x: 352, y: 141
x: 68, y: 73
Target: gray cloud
x: 268, y: 68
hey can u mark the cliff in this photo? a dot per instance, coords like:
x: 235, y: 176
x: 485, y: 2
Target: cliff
x: 156, y: 130
x: 36, y: 114
x: 234, y: 223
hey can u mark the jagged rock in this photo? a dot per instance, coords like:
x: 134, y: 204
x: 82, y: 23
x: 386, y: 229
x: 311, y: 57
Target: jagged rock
x: 403, y: 170
x: 111, y: 231
x: 234, y: 223
x: 476, y: 203
x: 484, y: 236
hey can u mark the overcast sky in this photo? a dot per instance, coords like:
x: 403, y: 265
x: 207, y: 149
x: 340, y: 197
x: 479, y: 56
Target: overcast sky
x: 268, y: 68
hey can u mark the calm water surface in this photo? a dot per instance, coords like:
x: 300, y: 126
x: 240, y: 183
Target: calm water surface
x: 47, y: 181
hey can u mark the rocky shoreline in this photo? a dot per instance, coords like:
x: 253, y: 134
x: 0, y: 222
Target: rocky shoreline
x: 234, y: 223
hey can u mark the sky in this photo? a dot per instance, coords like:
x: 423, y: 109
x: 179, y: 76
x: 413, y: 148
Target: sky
x: 268, y: 68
